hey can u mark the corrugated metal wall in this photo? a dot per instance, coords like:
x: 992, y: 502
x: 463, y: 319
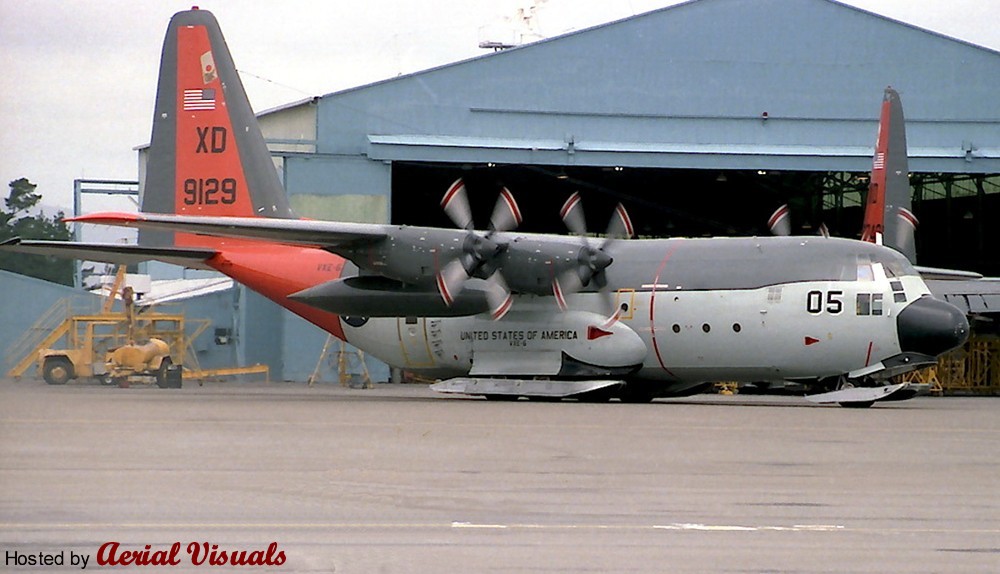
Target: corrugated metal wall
x: 689, y: 86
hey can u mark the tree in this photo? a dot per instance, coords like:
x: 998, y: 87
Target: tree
x: 16, y: 221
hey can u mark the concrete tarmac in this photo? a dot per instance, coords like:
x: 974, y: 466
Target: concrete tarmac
x: 399, y: 479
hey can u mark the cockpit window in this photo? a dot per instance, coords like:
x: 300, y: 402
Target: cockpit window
x: 898, y: 267
x: 865, y: 272
x: 894, y: 264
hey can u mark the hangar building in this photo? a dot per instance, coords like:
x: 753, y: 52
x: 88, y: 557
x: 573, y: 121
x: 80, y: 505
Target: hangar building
x: 702, y: 118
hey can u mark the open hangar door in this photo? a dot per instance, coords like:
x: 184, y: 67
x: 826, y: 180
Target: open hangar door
x: 661, y: 202
x: 954, y: 209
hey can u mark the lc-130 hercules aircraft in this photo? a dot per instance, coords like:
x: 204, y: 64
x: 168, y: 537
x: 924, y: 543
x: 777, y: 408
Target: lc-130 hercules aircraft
x: 506, y: 314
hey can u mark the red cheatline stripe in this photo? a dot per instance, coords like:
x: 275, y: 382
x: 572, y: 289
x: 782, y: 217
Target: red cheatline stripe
x: 508, y: 197
x: 625, y: 219
x: 570, y: 204
x: 652, y: 308
x: 907, y: 216
x: 455, y: 187
x: 503, y: 308
x: 557, y: 291
x: 443, y: 289
x: 777, y: 216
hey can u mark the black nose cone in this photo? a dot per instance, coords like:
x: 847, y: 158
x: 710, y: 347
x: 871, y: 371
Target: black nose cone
x: 931, y: 327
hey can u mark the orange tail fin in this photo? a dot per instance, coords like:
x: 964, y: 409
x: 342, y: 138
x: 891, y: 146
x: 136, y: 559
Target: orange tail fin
x: 207, y: 155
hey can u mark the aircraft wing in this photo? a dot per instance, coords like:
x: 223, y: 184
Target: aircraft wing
x: 327, y: 234
x: 111, y: 252
x: 427, y: 259
x: 974, y: 297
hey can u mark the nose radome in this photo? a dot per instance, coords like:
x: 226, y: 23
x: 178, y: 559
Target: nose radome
x: 931, y: 327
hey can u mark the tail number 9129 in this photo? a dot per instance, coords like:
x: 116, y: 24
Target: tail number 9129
x: 209, y: 191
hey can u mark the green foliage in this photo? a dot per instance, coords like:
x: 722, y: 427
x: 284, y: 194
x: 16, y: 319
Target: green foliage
x: 15, y: 221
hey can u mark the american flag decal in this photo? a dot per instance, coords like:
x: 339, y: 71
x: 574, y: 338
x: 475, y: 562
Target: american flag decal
x: 199, y: 99
x: 879, y: 162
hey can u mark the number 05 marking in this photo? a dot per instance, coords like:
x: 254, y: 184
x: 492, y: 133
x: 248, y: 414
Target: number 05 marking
x: 834, y: 303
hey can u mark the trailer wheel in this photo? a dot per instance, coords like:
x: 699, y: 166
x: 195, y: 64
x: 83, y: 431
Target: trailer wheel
x: 161, y: 373
x: 57, y: 370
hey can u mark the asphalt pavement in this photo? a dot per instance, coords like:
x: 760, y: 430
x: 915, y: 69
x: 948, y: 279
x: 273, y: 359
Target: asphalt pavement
x: 399, y: 479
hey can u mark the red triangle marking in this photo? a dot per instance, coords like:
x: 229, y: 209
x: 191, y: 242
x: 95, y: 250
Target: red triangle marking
x: 596, y: 333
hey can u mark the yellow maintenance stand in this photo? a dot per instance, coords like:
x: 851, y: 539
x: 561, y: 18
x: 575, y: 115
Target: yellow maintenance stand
x: 89, y: 337
x: 972, y: 370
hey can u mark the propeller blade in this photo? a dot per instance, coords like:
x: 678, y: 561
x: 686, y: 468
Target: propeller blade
x: 823, y: 230
x: 779, y: 223
x: 450, y: 280
x: 498, y: 295
x: 506, y: 214
x: 591, y: 261
x: 572, y: 215
x: 620, y: 226
x: 456, y: 204
x: 566, y: 284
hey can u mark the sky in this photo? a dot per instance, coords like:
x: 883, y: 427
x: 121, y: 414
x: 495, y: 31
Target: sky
x: 79, y: 76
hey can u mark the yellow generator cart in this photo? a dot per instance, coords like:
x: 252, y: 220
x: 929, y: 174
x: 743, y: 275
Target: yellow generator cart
x: 151, y: 359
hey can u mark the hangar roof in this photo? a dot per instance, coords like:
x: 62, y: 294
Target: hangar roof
x: 727, y: 84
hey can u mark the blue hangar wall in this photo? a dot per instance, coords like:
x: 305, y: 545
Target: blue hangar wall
x: 714, y: 84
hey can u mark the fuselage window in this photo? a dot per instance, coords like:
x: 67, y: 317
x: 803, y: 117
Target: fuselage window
x: 869, y: 304
x: 677, y: 328
x: 864, y: 303
x: 706, y: 327
x: 737, y: 328
x: 898, y: 295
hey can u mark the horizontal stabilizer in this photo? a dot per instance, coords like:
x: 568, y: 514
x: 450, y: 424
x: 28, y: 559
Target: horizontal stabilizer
x: 291, y: 231
x: 118, y: 253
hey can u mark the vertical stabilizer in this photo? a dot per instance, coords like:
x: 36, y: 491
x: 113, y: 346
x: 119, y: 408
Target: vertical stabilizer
x: 888, y: 215
x: 207, y: 155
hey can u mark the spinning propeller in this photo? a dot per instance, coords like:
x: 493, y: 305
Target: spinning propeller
x: 591, y: 261
x: 479, y: 252
x: 780, y: 223
x: 899, y: 229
